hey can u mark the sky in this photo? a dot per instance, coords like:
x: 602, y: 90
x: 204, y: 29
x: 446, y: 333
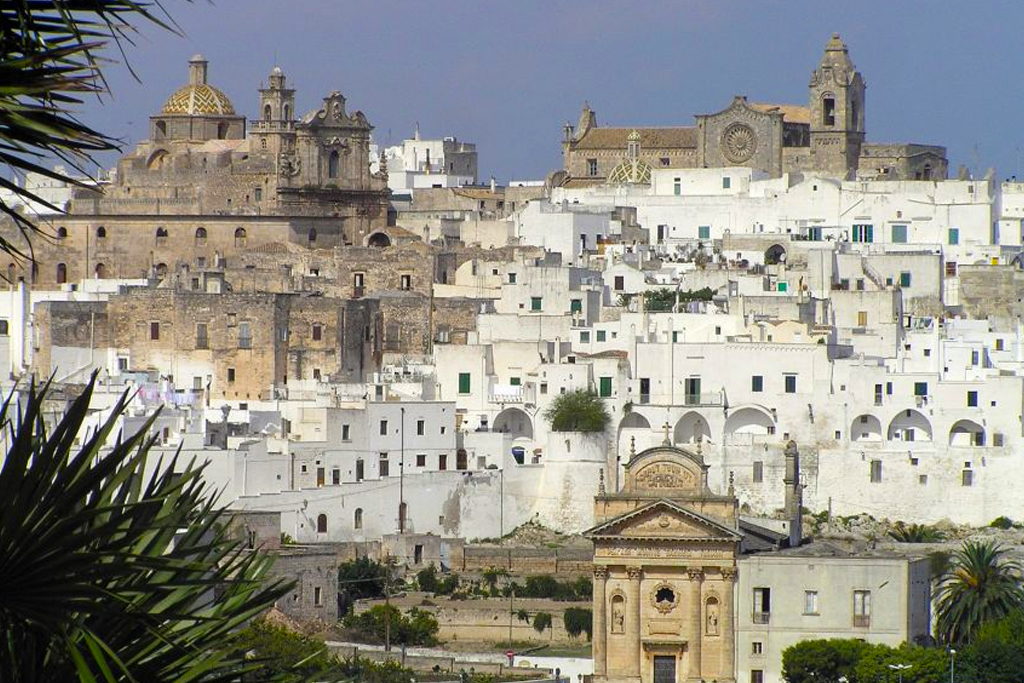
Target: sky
x: 508, y: 75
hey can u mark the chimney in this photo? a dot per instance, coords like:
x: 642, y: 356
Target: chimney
x: 197, y: 70
x: 494, y: 185
x: 794, y: 495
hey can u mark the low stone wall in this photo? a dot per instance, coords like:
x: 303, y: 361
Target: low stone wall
x: 574, y: 561
x: 420, y: 662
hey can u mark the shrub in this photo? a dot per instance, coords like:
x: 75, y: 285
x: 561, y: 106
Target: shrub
x: 915, y: 533
x: 541, y: 622
x: 579, y: 620
x: 1002, y: 523
x: 416, y: 628
x: 359, y: 579
x: 577, y: 411
x: 523, y: 615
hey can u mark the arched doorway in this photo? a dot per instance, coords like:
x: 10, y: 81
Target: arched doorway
x: 910, y: 425
x: 775, y: 255
x: 750, y: 420
x: 515, y: 422
x: 966, y: 433
x: 690, y: 428
x: 379, y: 240
x: 866, y: 428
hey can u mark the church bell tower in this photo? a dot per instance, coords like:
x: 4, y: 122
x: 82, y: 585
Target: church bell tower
x: 836, y: 101
x: 276, y: 124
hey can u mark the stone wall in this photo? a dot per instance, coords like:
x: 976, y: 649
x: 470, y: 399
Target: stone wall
x: 529, y: 561
x: 314, y: 597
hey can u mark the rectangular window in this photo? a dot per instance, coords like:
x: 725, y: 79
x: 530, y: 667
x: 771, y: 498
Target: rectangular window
x: 864, y: 233
x: 862, y: 608
x: 515, y: 381
x: 790, y: 384
x: 677, y: 186
x: 511, y: 278
x: 592, y: 167
x: 704, y: 232
x: 405, y: 283
x: 967, y: 478
x: 335, y: 476
x: 601, y: 335
x: 862, y: 318
x: 876, y: 471
x: 620, y: 283
x: 905, y: 279
x: 726, y: 182
x: 757, y: 384
x: 762, y: 605
x: 756, y: 675
x: 920, y: 388
x: 828, y: 111
x: 972, y: 399
x: 421, y: 460
x: 999, y: 344
x: 442, y: 462
x: 154, y: 331
x: 358, y: 281
x: 536, y: 303
x: 584, y: 337
x: 318, y: 596
x: 757, y: 648
x: 318, y: 332
x: 899, y: 234
x: 464, y: 382
x: 758, y: 471
x: 605, y: 387
x: 954, y: 236
x: 202, y: 341
x: 244, y: 336
x: 421, y: 427
x: 231, y: 375
x: 576, y: 306
x: 811, y: 602
x: 383, y: 427
x: 346, y: 434
x: 384, y: 467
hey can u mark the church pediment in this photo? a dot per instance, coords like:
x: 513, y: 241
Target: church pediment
x: 663, y: 519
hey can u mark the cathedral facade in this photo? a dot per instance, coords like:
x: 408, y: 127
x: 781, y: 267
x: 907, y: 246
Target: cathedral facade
x: 826, y: 136
x: 204, y: 185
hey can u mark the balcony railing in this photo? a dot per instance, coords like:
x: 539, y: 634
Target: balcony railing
x: 762, y: 617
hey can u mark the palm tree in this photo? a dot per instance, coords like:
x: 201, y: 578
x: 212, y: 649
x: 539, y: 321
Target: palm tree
x: 107, y: 574
x: 915, y: 533
x: 981, y: 585
x: 50, y: 57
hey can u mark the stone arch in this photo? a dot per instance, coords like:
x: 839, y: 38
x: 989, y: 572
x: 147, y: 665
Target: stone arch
x: 156, y: 159
x: 161, y: 130
x: 866, y: 428
x: 357, y: 519
x: 62, y: 273
x: 514, y: 421
x: 268, y: 113
x: 311, y: 235
x: 62, y: 233
x: 287, y: 113
x: 333, y: 164
x: 690, y: 427
x: 200, y: 235
x: 618, y: 613
x: 711, y: 616
x: 100, y: 271
x: 774, y: 254
x: 634, y: 421
x: 222, y: 130
x: 966, y: 433
x: 101, y: 233
x: 321, y: 523
x: 750, y: 420
x: 379, y: 240
x: 160, y: 269
x: 909, y: 425
x: 240, y: 237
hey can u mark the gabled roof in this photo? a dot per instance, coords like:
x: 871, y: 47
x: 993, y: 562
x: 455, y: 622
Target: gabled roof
x: 791, y: 113
x: 611, y: 528
x: 684, y: 137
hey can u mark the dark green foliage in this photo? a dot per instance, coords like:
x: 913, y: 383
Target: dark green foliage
x: 51, y: 56
x: 109, y: 573
x: 359, y: 579
x: 664, y: 299
x: 523, y: 615
x: 416, y: 628
x: 997, y: 653
x: 547, y: 586
x: 981, y: 585
x: 429, y: 581
x: 541, y: 622
x: 579, y: 620
x: 813, y: 661
x: 915, y: 533
x: 1002, y: 523
x: 577, y: 411
x: 938, y: 562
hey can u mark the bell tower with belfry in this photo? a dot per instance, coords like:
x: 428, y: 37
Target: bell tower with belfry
x: 836, y: 102
x: 275, y: 125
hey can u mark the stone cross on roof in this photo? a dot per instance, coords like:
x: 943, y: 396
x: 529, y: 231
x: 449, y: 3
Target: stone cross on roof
x: 668, y: 441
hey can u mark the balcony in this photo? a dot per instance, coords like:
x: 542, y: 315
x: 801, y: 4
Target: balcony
x: 762, y: 617
x: 862, y: 620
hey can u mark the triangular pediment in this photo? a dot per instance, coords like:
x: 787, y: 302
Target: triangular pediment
x: 663, y: 519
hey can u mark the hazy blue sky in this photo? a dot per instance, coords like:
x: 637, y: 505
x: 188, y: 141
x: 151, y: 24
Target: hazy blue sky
x: 507, y: 75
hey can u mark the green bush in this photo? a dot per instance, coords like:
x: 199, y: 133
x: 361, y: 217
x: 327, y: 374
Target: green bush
x: 359, y: 579
x: 547, y: 586
x: 1002, y: 523
x: 541, y: 622
x: 428, y: 580
x: 579, y: 620
x: 577, y: 411
x: 416, y: 628
x: 523, y: 615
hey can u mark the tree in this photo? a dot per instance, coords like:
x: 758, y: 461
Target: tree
x: 419, y: 627
x: 109, y: 574
x: 980, y: 586
x: 997, y: 653
x: 812, y: 661
x: 51, y: 55
x: 541, y: 622
x: 578, y: 620
x: 577, y: 411
x: 358, y: 579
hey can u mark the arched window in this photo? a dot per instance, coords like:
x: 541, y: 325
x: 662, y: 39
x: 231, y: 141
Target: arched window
x: 222, y: 130
x: 357, y: 522
x: 312, y: 235
x: 10, y: 272
x: 321, y: 524
x: 287, y: 112
x: 101, y: 233
x: 332, y: 164
x: 263, y: 143
x: 161, y: 236
x: 62, y: 232
x: 62, y: 273
x: 161, y: 269
x: 240, y: 237
x: 267, y: 113
x: 200, y: 236
x: 35, y: 272
x: 161, y: 129
x: 101, y: 271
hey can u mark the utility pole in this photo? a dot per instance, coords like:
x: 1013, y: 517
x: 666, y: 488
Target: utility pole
x: 387, y: 603
x: 401, y: 477
x: 511, y: 610
x: 501, y: 502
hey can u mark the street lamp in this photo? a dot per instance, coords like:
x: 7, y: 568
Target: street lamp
x: 901, y: 668
x: 952, y: 661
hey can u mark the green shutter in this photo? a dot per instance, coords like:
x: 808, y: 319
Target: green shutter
x: 535, y: 303
x: 464, y: 383
x: 515, y: 381
x: 605, y: 387
x: 576, y: 306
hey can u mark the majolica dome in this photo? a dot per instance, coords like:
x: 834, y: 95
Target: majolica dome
x: 198, y: 98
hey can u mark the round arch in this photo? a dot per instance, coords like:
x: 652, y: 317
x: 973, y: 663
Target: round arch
x: 866, y: 428
x: 321, y: 524
x: 514, y: 421
x: 774, y: 254
x: 378, y: 240
x: 909, y: 425
x: 966, y: 433
x: 690, y: 428
x: 750, y: 420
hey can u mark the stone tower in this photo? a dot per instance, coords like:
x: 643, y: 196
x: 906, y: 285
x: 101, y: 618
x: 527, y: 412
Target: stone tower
x: 836, y: 101
x: 276, y: 115
x: 794, y: 495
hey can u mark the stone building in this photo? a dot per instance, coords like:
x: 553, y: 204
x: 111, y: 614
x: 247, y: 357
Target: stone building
x: 203, y: 188
x: 665, y: 550
x: 826, y: 136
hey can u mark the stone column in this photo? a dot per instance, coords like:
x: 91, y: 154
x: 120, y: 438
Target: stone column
x: 632, y: 623
x: 728, y: 668
x: 696, y: 623
x: 600, y: 643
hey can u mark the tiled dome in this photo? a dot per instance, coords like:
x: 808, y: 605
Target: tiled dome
x: 198, y: 100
